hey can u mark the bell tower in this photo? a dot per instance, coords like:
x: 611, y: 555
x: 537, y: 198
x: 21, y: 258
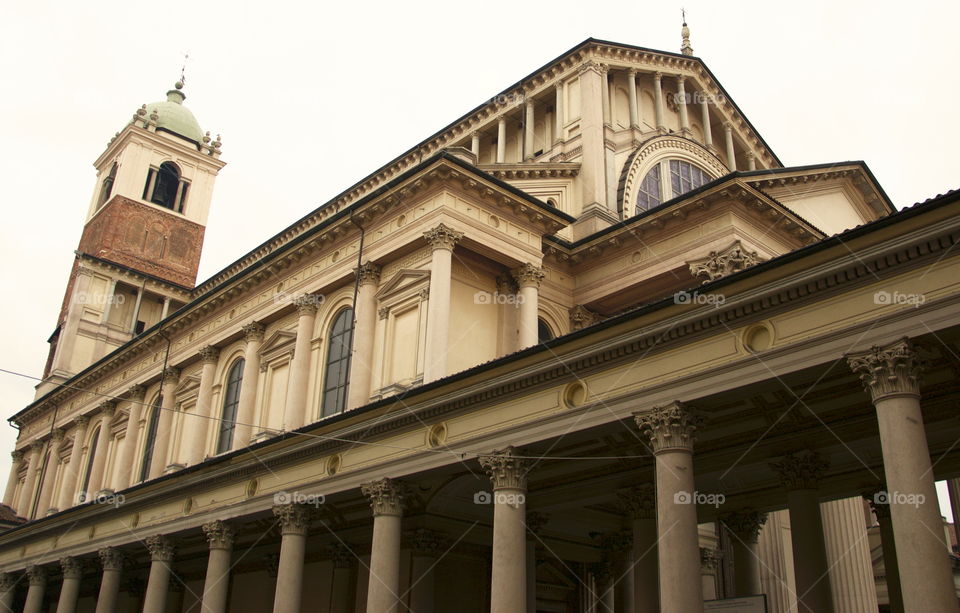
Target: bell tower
x: 139, y: 253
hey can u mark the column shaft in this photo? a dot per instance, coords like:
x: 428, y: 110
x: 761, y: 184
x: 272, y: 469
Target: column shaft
x: 559, y: 115
x: 98, y: 479
x: 361, y: 362
x: 593, y: 174
x: 246, y: 404
x: 37, y: 578
x: 528, y: 278
x: 216, y: 584
x: 297, y: 404
x: 848, y: 556
x: 528, y: 126
x: 508, y: 577
x: 809, y: 553
x: 502, y: 140
x: 442, y: 239
x: 632, y: 97
x: 605, y: 93
x: 384, y: 583
x: 197, y: 425
x: 68, y: 486
x: 69, y: 587
x: 109, y: 591
x: 49, y: 474
x: 25, y: 506
x: 293, y: 547
x: 731, y: 155
x: 658, y: 101
x: 705, y: 120
x: 158, y: 582
x: 891, y: 568
x: 682, y: 104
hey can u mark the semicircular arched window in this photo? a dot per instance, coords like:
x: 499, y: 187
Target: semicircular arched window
x: 166, y: 187
x: 231, y: 400
x: 544, y: 333
x: 336, y: 375
x: 669, y: 179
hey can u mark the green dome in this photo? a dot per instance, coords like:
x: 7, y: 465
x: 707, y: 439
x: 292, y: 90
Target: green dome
x: 174, y: 117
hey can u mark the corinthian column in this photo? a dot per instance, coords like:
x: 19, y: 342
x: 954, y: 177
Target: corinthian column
x: 161, y: 444
x: 246, y: 404
x: 342, y: 574
x: 112, y: 562
x: 442, y: 239
x: 528, y: 125
x: 632, y: 97
x: 17, y: 460
x: 294, y: 519
x: 50, y: 474
x: 670, y: 430
x: 800, y: 475
x: 383, y: 587
x: 128, y: 448
x: 361, y: 362
x: 744, y: 525
x: 658, y: 101
x: 890, y: 373
x: 35, y: 454
x: 558, y: 115
x: 728, y: 138
x: 162, y: 551
x: 68, y: 488
x: 848, y: 554
x: 37, y: 584
x: 502, y: 140
x: 216, y: 584
x: 297, y: 405
x: 508, y: 583
x: 196, y: 426
x: 640, y: 503
x: 528, y: 276
x: 682, y: 104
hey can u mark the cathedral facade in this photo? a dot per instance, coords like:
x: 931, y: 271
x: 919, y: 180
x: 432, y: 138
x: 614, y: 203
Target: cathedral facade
x: 590, y: 348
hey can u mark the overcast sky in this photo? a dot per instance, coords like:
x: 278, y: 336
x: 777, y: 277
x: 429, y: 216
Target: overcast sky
x: 311, y: 97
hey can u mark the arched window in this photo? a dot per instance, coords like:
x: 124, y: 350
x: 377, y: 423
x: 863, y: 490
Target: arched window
x: 544, y: 333
x: 669, y: 179
x: 151, y: 440
x: 84, y: 494
x: 336, y: 376
x: 165, y: 187
x: 107, y: 187
x: 231, y: 400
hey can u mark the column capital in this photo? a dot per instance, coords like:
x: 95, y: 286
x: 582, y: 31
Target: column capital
x: 709, y: 558
x: 17, y: 455
x: 36, y: 574
x: 427, y: 543
x: 170, y: 375
x: 82, y: 421
x: 111, y: 558
x: 443, y: 237
x: 108, y: 408
x: 632, y: 72
x: 890, y: 370
x: 603, y: 69
x: 559, y: 85
x: 293, y: 518
x: 219, y: 534
x: 475, y: 134
x: 745, y: 523
x: 8, y: 581
x: 657, y: 76
x: 386, y: 496
x: 800, y: 471
x: 253, y: 332
x: 57, y: 435
x: 72, y: 567
x: 209, y: 354
x: 727, y: 127
x: 368, y: 273
x: 161, y: 547
x: 137, y: 393
x: 528, y: 275
x: 341, y: 555
x: 639, y: 501
x: 36, y: 446
x: 589, y: 65
x: 680, y: 79
x: 670, y: 427
x: 307, y: 304
x: 506, y: 470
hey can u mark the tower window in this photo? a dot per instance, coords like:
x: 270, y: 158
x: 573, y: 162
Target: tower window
x: 336, y: 378
x: 166, y: 188
x: 669, y: 179
x: 231, y: 400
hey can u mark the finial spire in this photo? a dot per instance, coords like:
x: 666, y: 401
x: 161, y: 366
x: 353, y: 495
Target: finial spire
x: 685, y: 47
x: 183, y: 71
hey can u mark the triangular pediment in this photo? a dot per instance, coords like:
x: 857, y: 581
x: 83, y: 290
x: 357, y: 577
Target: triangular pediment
x: 278, y: 343
x: 405, y: 279
x: 188, y: 384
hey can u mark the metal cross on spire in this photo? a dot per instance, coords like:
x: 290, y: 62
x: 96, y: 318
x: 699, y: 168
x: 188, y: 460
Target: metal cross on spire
x: 183, y: 68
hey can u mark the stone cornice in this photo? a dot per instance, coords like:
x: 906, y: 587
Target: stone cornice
x: 513, y: 172
x: 930, y: 241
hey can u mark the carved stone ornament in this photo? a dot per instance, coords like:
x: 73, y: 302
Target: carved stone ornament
x: 209, y: 354
x: 528, y: 275
x: 111, y: 558
x: 17, y: 456
x: 639, y: 501
x: 171, y: 375
x: 57, y: 436
x: 506, y: 470
x: 108, y: 408
x: 71, y: 567
x: 442, y: 237
x: 724, y: 262
x: 800, y: 471
x: 219, y: 534
x: 293, y: 518
x: 669, y: 428
x: 582, y: 317
x: 386, y: 496
x: 161, y: 548
x: 36, y: 574
x: 82, y: 421
x: 745, y: 523
x: 368, y: 272
x: 307, y: 304
x: 253, y: 332
x: 506, y: 284
x: 891, y: 370
x: 137, y: 393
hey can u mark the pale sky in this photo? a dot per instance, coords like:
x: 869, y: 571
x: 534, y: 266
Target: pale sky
x: 311, y: 97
